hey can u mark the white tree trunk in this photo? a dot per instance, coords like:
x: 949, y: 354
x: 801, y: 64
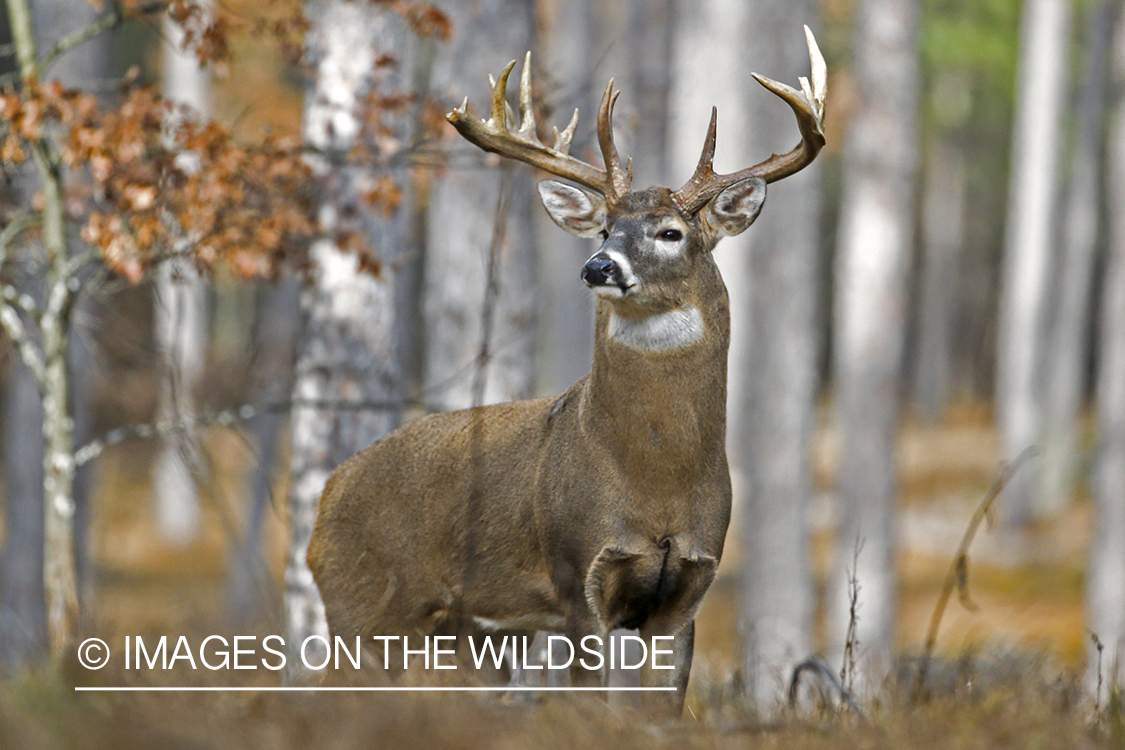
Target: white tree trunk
x: 650, y: 33
x: 473, y: 213
x: 346, y: 350
x: 709, y: 69
x: 876, y: 230
x: 181, y: 326
x: 565, y: 313
x: 779, y: 371
x: 943, y: 234
x: 1070, y: 335
x: 1105, y: 587
x: 1029, y: 236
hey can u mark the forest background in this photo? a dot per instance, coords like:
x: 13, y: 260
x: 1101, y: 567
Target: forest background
x: 239, y: 242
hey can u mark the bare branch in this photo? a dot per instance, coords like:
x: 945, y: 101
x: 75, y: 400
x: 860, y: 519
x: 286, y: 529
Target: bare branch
x: 958, y: 569
x: 22, y: 222
x: 106, y: 23
x: 31, y: 356
x: 225, y: 418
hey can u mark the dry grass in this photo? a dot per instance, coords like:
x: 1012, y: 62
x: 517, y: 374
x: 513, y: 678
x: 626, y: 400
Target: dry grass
x: 1013, y: 704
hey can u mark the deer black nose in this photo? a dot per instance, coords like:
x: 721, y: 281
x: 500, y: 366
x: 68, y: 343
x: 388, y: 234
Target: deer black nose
x: 598, y: 270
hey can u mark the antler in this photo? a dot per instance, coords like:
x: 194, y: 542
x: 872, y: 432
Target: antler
x: 522, y: 143
x: 808, y: 106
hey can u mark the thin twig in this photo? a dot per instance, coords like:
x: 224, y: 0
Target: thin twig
x: 1098, y: 692
x: 492, y: 286
x: 956, y: 577
x: 851, y: 638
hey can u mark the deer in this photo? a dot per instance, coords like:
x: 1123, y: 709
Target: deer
x: 606, y: 506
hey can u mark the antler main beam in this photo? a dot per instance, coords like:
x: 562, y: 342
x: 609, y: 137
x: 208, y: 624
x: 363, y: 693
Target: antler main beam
x: 807, y: 105
x: 521, y: 142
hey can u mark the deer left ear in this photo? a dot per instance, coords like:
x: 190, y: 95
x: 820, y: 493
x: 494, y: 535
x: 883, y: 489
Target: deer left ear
x: 733, y: 210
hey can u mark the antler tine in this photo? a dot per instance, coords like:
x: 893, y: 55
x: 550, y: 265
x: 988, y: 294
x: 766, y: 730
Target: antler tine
x: 807, y: 105
x: 522, y: 142
x: 527, y: 109
x: 499, y: 100
x: 705, y: 169
x: 562, y: 140
x: 620, y: 182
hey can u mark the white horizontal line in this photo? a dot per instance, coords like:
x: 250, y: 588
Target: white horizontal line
x: 323, y: 689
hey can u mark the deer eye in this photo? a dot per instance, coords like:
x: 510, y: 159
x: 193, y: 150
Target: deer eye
x: 670, y: 235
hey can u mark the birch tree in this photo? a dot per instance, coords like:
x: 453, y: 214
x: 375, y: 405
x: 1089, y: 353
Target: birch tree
x: 22, y: 623
x: 1029, y: 236
x: 479, y: 299
x: 779, y: 371
x: 1105, y: 587
x: 180, y: 322
x: 876, y: 229
x: 347, y: 344
x: 1070, y: 333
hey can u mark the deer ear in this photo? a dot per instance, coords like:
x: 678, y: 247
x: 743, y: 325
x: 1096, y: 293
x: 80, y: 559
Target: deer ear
x: 733, y: 210
x: 576, y: 211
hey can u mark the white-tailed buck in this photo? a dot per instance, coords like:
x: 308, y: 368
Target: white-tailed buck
x: 604, y: 507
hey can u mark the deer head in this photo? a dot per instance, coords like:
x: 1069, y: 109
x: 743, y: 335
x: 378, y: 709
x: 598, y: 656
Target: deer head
x: 654, y: 239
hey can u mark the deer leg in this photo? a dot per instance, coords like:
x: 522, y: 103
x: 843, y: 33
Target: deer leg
x: 655, y: 671
x: 589, y: 667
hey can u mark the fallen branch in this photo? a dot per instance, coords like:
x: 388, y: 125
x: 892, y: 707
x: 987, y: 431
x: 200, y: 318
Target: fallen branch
x: 958, y: 575
x: 815, y: 665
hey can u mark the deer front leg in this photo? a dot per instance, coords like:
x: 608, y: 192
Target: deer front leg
x: 666, y: 670
x: 586, y: 635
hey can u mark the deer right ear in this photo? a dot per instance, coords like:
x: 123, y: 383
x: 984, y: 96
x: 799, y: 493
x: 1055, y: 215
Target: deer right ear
x: 576, y: 211
x: 732, y: 211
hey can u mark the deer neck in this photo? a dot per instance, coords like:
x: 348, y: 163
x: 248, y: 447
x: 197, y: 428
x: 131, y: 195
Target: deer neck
x: 657, y: 386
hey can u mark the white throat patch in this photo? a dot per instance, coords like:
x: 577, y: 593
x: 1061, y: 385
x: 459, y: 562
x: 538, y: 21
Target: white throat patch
x: 661, y: 332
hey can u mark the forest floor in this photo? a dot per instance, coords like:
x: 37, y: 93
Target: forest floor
x: 1008, y: 671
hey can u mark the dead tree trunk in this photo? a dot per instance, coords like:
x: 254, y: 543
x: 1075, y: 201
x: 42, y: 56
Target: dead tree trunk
x: 1029, y: 236
x: 347, y: 345
x: 1105, y: 587
x: 479, y: 303
x: 876, y: 230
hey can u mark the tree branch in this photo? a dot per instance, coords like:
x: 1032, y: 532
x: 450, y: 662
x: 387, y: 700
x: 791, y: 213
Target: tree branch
x: 226, y: 418
x: 957, y: 575
x: 8, y: 235
x: 111, y: 20
x: 13, y: 326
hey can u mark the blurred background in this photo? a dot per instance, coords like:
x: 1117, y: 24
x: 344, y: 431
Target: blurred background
x: 943, y: 289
